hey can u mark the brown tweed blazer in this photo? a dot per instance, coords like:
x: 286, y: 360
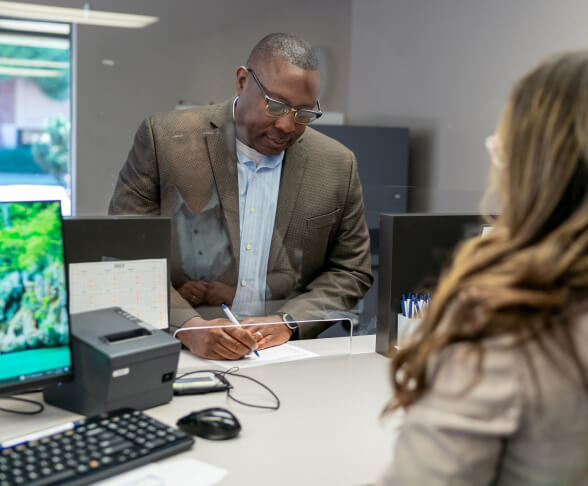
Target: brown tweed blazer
x: 319, y: 258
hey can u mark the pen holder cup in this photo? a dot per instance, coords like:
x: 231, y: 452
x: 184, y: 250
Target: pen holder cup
x: 406, y: 327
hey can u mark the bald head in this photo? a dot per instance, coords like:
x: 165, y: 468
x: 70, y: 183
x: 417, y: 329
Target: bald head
x: 288, y: 47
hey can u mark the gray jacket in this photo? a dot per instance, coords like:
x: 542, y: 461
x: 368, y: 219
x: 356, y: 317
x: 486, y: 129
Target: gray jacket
x: 519, y: 425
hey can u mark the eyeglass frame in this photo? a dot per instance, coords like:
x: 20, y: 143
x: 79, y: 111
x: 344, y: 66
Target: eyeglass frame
x: 315, y: 113
x: 492, y: 144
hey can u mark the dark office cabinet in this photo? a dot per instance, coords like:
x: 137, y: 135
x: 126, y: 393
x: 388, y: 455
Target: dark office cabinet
x: 382, y: 161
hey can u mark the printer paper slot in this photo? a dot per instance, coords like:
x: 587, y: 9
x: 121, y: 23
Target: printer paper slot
x: 125, y: 336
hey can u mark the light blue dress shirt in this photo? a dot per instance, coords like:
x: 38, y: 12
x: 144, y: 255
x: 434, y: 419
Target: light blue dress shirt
x: 204, y: 242
x: 259, y: 183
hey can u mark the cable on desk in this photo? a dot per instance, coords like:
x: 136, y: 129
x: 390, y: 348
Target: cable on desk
x: 221, y: 375
x: 36, y: 411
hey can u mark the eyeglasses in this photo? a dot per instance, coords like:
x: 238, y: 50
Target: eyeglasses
x: 493, y: 147
x: 277, y: 109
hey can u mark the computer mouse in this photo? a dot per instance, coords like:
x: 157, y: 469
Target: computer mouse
x: 211, y: 423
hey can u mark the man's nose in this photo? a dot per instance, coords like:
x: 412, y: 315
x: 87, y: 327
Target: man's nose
x: 286, y: 123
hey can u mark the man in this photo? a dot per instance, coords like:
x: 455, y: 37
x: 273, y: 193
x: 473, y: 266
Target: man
x: 265, y: 220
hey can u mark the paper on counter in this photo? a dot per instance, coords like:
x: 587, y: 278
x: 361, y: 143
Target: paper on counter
x: 277, y: 354
x: 170, y: 473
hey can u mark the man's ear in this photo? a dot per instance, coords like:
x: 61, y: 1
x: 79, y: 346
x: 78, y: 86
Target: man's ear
x: 241, y: 78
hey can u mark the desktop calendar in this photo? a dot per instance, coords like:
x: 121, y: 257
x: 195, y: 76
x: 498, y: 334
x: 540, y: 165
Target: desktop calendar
x: 137, y: 286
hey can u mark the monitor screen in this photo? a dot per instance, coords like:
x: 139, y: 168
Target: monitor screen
x: 35, y: 344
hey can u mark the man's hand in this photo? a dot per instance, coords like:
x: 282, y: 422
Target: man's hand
x: 194, y: 292
x: 218, y: 293
x: 217, y: 343
x: 268, y: 335
x: 211, y: 293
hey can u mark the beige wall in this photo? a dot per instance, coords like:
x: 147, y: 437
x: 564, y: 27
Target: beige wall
x: 444, y: 68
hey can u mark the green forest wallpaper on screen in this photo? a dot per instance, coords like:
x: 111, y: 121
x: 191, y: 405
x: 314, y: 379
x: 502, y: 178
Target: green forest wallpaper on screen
x: 33, y: 310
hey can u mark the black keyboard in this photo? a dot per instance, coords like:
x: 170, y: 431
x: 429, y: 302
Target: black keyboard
x: 95, y: 448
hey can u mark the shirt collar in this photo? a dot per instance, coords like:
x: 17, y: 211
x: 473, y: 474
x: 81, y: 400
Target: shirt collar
x: 246, y: 154
x: 212, y: 203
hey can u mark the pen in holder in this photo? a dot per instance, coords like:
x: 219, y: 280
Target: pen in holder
x: 410, y: 317
x: 406, y: 327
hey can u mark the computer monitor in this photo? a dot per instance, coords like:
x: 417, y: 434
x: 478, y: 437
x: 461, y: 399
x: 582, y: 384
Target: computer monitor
x: 122, y: 237
x: 99, y: 238
x: 414, y: 249
x: 35, y: 339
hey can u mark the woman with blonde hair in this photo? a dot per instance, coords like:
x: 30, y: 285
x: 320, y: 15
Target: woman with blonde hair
x: 495, y: 384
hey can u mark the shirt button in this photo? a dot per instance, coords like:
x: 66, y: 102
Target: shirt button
x: 243, y: 283
x: 248, y: 247
x: 255, y: 174
x: 252, y: 210
x: 195, y: 231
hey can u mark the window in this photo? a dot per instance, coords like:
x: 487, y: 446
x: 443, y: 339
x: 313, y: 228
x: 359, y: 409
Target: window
x: 35, y: 111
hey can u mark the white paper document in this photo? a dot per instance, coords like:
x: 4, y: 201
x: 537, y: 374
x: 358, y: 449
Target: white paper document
x: 137, y: 286
x: 170, y: 473
x: 277, y: 354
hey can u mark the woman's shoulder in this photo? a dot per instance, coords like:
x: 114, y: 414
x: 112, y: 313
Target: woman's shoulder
x: 505, y: 369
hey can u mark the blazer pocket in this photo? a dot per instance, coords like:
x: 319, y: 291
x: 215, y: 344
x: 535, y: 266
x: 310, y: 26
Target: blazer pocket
x: 323, y: 220
x: 318, y: 233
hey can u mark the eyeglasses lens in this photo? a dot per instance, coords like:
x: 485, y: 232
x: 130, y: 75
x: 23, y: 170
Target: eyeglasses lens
x: 305, y: 117
x: 275, y: 108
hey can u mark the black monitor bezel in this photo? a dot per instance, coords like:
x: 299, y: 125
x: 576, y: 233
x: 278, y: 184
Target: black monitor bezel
x: 16, y: 388
x: 145, y: 236
x: 407, y: 242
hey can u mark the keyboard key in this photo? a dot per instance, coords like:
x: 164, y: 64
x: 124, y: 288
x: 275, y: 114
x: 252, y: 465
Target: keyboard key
x: 117, y: 448
x: 154, y: 443
x: 93, y: 450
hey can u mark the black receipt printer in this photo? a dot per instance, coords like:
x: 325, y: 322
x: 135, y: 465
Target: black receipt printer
x: 117, y: 362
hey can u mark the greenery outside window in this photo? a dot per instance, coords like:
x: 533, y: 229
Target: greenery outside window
x: 35, y: 111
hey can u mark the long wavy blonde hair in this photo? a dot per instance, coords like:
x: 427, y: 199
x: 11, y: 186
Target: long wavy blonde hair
x: 518, y: 279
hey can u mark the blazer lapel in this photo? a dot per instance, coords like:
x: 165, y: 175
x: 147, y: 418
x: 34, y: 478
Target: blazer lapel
x: 293, y: 168
x: 223, y: 159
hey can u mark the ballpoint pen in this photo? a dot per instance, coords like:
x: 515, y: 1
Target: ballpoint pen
x: 234, y: 320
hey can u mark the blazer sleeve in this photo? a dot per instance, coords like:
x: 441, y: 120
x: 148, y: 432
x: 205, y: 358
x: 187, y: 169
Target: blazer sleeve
x: 454, y: 434
x: 137, y: 191
x: 137, y: 188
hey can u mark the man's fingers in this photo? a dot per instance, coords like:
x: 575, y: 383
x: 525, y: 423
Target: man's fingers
x: 267, y: 342
x: 219, y: 342
x: 227, y: 353
x: 193, y: 292
x: 265, y: 336
x: 192, y: 285
x: 264, y: 329
x: 213, y: 344
x: 241, y: 337
x: 201, y: 286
